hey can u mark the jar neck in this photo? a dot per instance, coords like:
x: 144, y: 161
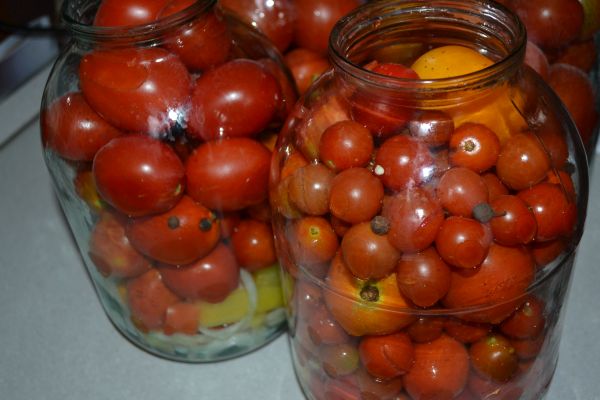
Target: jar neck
x: 400, y: 29
x: 78, y: 16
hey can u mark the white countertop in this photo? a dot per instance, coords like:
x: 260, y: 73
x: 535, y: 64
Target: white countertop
x: 57, y: 343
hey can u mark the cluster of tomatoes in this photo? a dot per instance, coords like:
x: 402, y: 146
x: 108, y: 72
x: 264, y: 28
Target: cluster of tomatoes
x: 171, y: 145
x: 383, y: 212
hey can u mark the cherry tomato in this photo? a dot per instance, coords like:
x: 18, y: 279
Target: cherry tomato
x: 554, y: 213
x: 460, y: 190
x: 75, y: 131
x: 522, y: 162
x: 273, y: 18
x: 551, y: 24
x: 339, y: 359
x: 440, y: 370
x: 111, y: 251
x: 228, y: 175
x: 425, y: 329
x: 581, y: 55
x: 423, y: 277
x: 495, y: 186
x: 181, y: 318
x: 310, y: 189
x: 465, y: 331
x: 315, y: 19
x: 210, y: 279
x: 527, y: 322
x: 356, y: 195
x: 414, y: 218
x: 128, y: 12
x: 323, y: 328
x: 463, y: 242
x: 149, y: 299
x: 203, y: 43
x: 387, y: 356
x: 505, y: 274
x: 368, y: 255
x: 527, y: 349
x: 136, y: 89
x: 253, y: 245
x: 474, y: 146
x: 432, y: 127
x: 312, y: 240
x: 138, y: 175
x: 182, y: 235
x: 513, y: 222
x: 494, y: 357
x: 236, y: 99
x: 536, y: 59
x: 403, y: 162
x: 306, y: 66
x: 346, y: 144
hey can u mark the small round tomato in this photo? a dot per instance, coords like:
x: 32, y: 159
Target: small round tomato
x: 356, y: 195
x: 495, y: 186
x: 312, y: 240
x: 387, y: 356
x: 128, y: 12
x: 111, y: 251
x: 149, y: 299
x: 527, y: 322
x: 425, y: 329
x: 460, y: 190
x: 310, y: 188
x: 323, y: 328
x: 463, y: 242
x: 440, y: 369
x: 403, y: 161
x: 465, y: 331
x: 513, y: 222
x: 211, y: 278
x: 75, y: 131
x: 494, y: 357
x: 182, y: 235
x: 253, y: 245
x: 138, y: 175
x: 346, y: 144
x: 522, y: 162
x: 236, y: 99
x: 136, y: 89
x: 306, y: 66
x: 432, y: 127
x: 339, y: 359
x: 228, y: 175
x: 203, y: 43
x: 474, y: 146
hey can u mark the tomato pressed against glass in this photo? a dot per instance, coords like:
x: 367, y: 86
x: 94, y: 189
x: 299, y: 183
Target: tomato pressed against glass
x: 474, y: 146
x: 75, y: 131
x: 432, y: 127
x: 356, y: 195
x: 387, y: 356
x: 253, y: 246
x: 494, y: 357
x: 402, y: 162
x: 312, y: 240
x: 513, y: 223
x: 138, y: 175
x: 128, y: 12
x: 228, y: 175
x: 522, y: 162
x: 236, y: 99
x: 136, y: 89
x: 460, y: 190
x: 310, y: 188
x: 183, y: 234
x: 463, y: 242
x: 346, y: 144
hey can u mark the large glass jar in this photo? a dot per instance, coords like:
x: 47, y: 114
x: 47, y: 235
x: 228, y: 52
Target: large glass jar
x: 158, y: 138
x: 428, y: 195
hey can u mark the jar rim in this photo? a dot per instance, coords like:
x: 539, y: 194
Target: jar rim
x: 139, y: 32
x: 370, y: 16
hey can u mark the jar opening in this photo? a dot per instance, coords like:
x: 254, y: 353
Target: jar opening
x: 78, y: 15
x: 400, y: 30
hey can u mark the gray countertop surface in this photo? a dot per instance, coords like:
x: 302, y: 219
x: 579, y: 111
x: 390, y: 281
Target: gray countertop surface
x: 57, y: 343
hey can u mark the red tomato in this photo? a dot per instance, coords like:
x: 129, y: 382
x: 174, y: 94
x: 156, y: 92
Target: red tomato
x: 536, y: 59
x: 387, y: 356
x: 111, y: 251
x: 203, y: 43
x: 138, y: 175
x: 182, y: 318
x: 403, y: 162
x: 149, y: 300
x: 229, y: 175
x: 236, y: 99
x: 306, y: 66
x: 211, y: 278
x: 253, y: 245
x: 315, y: 19
x: 128, y: 12
x: 75, y: 131
x: 183, y: 234
x: 274, y: 18
x: 136, y: 89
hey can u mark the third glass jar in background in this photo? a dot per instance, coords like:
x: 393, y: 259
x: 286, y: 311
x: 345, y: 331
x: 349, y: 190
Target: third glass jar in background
x: 428, y: 194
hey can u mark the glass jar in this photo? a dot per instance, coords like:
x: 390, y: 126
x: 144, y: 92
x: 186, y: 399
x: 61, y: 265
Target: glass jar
x: 158, y: 138
x: 427, y: 217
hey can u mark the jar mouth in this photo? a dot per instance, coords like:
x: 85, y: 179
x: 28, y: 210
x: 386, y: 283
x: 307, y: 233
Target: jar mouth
x: 488, y: 27
x: 78, y: 16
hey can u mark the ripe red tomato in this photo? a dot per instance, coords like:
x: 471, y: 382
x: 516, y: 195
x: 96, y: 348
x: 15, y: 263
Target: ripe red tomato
x: 312, y: 240
x: 346, y: 144
x: 463, y: 242
x: 75, y: 131
x: 181, y: 235
x: 149, y: 300
x: 236, y: 99
x: 228, y: 175
x: 138, y: 175
x: 136, y: 89
x: 306, y: 66
x: 316, y: 18
x: 204, y: 42
x: 514, y: 223
x: 403, y: 162
x: 111, y: 251
x: 432, y: 127
x: 356, y: 195
x: 211, y: 278
x: 474, y: 146
x: 494, y: 357
x: 527, y: 322
x: 460, y: 190
x: 253, y: 244
x: 182, y: 318
x: 522, y: 162
x: 387, y: 356
x: 128, y: 12
x: 310, y: 188
x: 465, y: 331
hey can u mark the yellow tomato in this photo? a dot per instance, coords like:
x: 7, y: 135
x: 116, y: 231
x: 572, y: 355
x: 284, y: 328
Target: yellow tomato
x: 449, y: 61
